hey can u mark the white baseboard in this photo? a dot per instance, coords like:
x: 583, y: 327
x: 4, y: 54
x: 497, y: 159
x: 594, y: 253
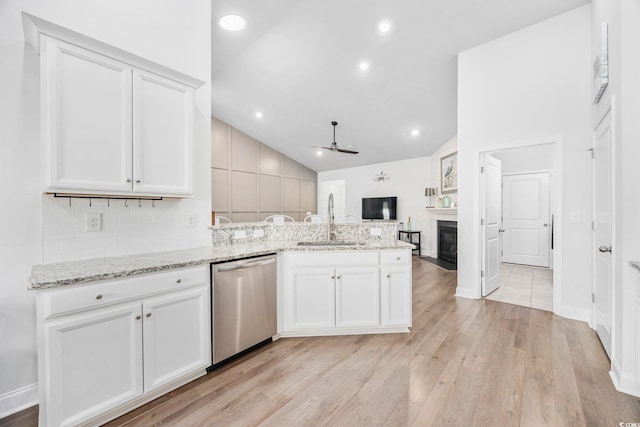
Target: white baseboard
x: 17, y: 400
x: 466, y: 293
x: 575, y: 313
x: 623, y: 381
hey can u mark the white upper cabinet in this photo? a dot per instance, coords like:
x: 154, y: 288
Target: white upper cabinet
x: 112, y: 123
x: 87, y: 119
x: 162, y: 135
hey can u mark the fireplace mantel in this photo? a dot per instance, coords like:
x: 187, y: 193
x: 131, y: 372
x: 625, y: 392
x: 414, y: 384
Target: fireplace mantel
x: 450, y: 211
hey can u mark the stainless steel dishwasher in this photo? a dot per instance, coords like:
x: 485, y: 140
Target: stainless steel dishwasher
x: 244, y: 305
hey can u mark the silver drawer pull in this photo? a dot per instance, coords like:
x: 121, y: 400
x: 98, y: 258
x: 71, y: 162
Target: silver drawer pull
x: 148, y: 314
x: 398, y: 259
x: 99, y: 296
x: 339, y: 277
x: 138, y: 317
x: 388, y: 276
x: 179, y: 281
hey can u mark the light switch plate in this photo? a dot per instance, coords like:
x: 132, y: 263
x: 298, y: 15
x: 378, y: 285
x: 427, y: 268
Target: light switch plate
x: 575, y: 217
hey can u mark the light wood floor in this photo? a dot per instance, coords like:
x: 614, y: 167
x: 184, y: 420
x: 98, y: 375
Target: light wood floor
x: 465, y: 362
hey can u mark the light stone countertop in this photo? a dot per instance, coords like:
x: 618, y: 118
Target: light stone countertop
x: 635, y: 264
x: 74, y: 272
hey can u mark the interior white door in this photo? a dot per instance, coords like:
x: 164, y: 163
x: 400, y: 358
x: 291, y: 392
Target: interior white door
x: 526, y: 219
x: 603, y: 232
x: 492, y: 208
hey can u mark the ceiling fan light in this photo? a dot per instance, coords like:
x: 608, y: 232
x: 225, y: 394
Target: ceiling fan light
x: 384, y: 26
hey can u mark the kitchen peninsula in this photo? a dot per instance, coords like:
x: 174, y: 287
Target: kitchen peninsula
x: 145, y: 320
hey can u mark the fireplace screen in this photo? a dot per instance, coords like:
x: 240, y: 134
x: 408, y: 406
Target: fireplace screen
x: 448, y: 241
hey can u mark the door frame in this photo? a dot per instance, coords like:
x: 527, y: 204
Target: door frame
x: 558, y: 212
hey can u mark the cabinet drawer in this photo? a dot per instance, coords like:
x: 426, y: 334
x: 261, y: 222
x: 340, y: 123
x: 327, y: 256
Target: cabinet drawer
x: 333, y: 259
x: 91, y: 295
x: 395, y: 257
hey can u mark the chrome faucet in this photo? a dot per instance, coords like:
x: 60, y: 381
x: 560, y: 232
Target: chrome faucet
x: 330, y: 233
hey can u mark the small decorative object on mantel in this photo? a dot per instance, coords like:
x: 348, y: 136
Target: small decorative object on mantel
x: 382, y: 176
x: 429, y: 192
x: 449, y: 173
x: 446, y: 201
x: 601, y: 65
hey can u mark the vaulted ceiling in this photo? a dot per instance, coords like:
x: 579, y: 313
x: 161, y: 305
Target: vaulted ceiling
x: 297, y: 62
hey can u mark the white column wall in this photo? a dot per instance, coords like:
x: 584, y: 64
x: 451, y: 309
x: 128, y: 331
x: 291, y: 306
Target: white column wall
x: 531, y: 85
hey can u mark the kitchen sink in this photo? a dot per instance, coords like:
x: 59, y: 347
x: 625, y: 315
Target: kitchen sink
x: 330, y: 243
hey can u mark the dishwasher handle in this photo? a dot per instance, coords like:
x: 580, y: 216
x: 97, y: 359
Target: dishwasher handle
x: 246, y: 265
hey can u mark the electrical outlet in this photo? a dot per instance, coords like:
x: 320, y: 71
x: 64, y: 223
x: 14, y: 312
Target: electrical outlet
x: 240, y: 234
x: 93, y: 222
x: 192, y: 221
x: 375, y: 231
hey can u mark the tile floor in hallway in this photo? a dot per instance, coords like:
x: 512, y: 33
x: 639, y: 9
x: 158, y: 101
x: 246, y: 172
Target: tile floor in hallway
x: 526, y: 286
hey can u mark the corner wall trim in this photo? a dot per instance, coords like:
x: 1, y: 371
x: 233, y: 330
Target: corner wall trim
x: 623, y: 381
x: 19, y: 399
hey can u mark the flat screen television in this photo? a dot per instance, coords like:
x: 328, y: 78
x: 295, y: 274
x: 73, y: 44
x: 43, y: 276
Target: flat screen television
x: 379, y: 208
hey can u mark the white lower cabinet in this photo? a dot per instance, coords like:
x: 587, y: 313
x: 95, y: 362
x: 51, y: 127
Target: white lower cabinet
x: 357, y: 297
x: 325, y: 293
x: 141, y: 341
x: 94, y: 363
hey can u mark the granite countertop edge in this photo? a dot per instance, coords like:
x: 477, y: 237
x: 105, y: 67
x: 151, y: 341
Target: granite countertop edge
x: 46, y: 276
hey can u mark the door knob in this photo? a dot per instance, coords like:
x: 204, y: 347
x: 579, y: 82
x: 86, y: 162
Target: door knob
x: 546, y: 225
x: 604, y: 249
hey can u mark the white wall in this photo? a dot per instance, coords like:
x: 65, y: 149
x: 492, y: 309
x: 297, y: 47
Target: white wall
x: 408, y: 179
x: 623, y: 18
x: 173, y: 33
x: 526, y: 159
x: 531, y: 85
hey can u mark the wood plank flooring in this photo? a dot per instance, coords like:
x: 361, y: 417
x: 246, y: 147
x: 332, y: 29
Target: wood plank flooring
x: 465, y: 363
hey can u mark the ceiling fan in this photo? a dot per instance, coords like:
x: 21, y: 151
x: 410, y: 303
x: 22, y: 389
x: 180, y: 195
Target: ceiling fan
x: 334, y: 144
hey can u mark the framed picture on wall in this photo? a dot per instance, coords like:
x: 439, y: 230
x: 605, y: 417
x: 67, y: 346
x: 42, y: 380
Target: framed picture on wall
x: 449, y: 173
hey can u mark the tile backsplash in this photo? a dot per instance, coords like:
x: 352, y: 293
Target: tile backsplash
x: 128, y: 227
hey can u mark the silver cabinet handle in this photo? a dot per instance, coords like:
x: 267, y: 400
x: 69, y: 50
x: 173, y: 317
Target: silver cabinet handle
x: 138, y: 317
x: 398, y: 259
x: 604, y: 249
x: 128, y: 179
x: 99, y: 296
x: 501, y: 230
x: 179, y: 281
x: 148, y: 314
x: 546, y: 225
x: 138, y: 181
x: 333, y: 277
x: 339, y: 277
x: 388, y: 276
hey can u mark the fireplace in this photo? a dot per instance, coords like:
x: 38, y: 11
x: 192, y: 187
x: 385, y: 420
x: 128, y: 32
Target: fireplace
x: 448, y: 241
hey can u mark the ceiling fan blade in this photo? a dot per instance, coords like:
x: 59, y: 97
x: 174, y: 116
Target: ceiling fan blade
x: 342, y: 150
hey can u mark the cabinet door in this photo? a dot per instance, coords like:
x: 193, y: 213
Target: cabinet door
x: 86, y: 100
x: 94, y: 363
x: 311, y: 296
x: 163, y: 115
x: 357, y: 297
x: 177, y: 336
x: 395, y: 287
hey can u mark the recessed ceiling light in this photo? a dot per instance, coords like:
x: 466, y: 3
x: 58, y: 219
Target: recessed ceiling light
x: 232, y: 22
x: 364, y: 66
x: 415, y: 132
x: 384, y: 26
x: 258, y: 114
x: 319, y: 152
